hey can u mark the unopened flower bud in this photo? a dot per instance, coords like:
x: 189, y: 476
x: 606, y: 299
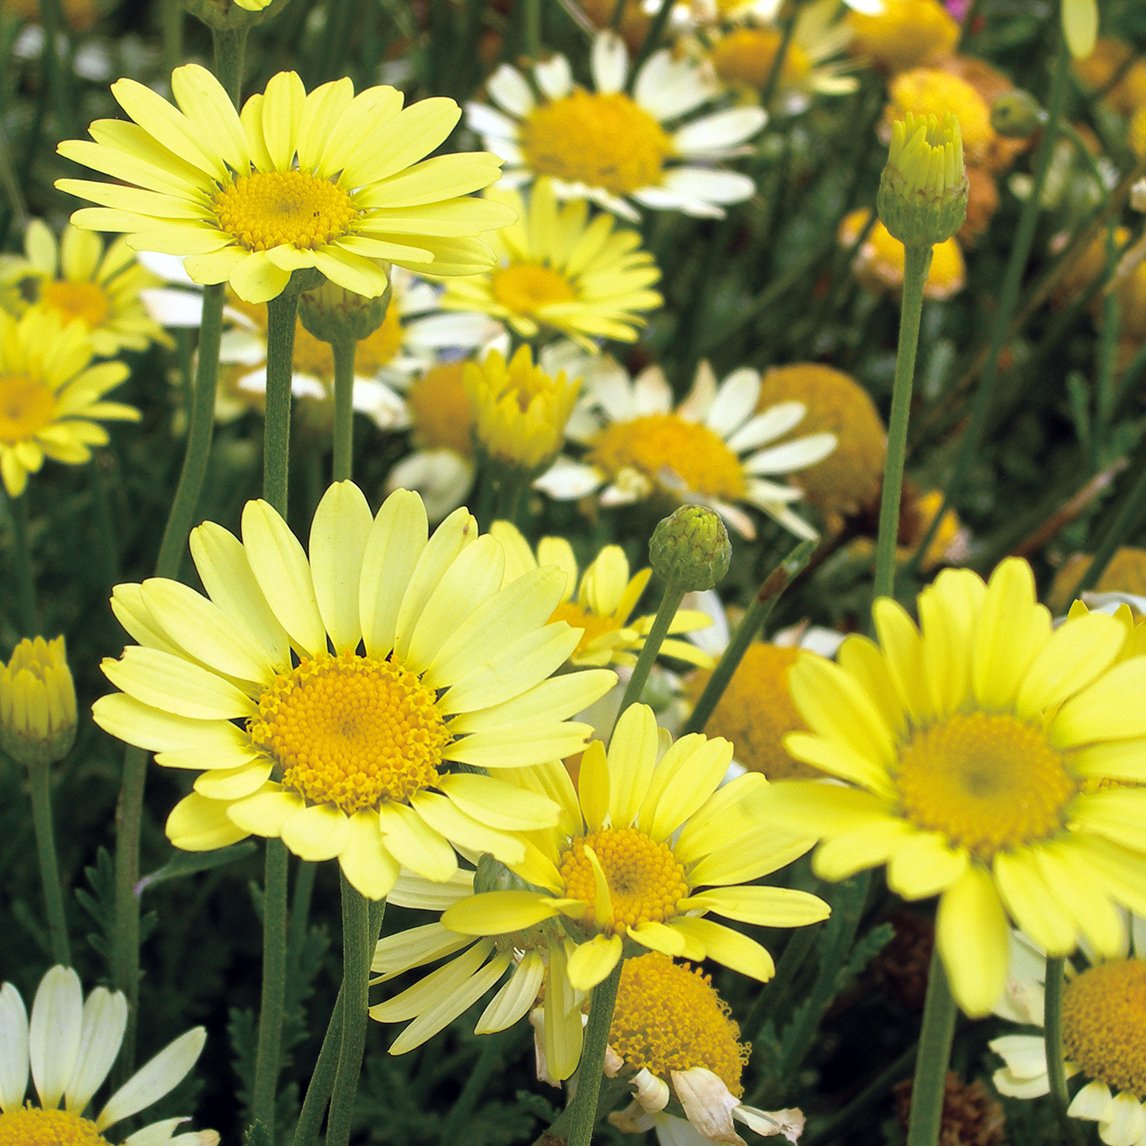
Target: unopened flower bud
x: 227, y: 15
x: 335, y: 314
x: 690, y: 548
x: 922, y: 196
x: 37, y: 703
x: 1016, y: 114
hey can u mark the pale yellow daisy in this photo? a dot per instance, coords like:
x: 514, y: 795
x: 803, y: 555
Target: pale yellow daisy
x: 69, y: 1044
x: 327, y: 180
x: 649, y: 148
x: 82, y: 282
x: 51, y: 395
x: 647, y: 847
x: 975, y: 751
x: 711, y: 449
x: 558, y: 270
x: 600, y: 601
x: 325, y: 699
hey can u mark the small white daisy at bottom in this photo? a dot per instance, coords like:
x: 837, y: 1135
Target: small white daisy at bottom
x: 70, y: 1044
x: 1103, y: 1037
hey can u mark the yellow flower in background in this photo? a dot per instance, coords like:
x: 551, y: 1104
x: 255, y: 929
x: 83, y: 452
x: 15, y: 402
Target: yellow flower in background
x: 1124, y: 573
x: 649, y: 148
x: 879, y: 261
x: 70, y: 1044
x: 969, y: 749
x: 520, y: 409
x: 557, y: 269
x: 647, y: 846
x: 82, y: 282
x: 905, y: 34
x: 323, y: 698
x: 923, y: 92
x: 675, y: 1036
x: 600, y: 601
x: 51, y: 396
x: 327, y: 180
x: 38, y: 714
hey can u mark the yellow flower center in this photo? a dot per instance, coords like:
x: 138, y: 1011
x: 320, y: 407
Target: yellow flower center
x: 351, y: 731
x: 987, y: 781
x: 26, y: 407
x: 669, y: 1017
x: 283, y: 208
x: 30, y: 1126
x: 85, y: 301
x: 1104, y: 1024
x: 595, y: 625
x: 526, y: 288
x: 600, y: 139
x: 656, y: 442
x: 747, y: 55
x: 441, y: 411
x: 756, y: 710
x: 646, y: 881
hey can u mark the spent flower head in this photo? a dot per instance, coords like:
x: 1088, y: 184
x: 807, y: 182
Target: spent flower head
x: 37, y: 703
x: 922, y: 196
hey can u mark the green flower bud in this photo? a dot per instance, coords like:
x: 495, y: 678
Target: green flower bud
x: 37, y: 703
x: 690, y: 548
x: 922, y: 196
x: 227, y: 15
x: 1017, y: 114
x: 334, y: 314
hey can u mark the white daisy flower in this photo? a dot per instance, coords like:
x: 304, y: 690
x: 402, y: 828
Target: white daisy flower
x: 1102, y: 1036
x: 650, y: 148
x: 70, y: 1044
x: 708, y: 450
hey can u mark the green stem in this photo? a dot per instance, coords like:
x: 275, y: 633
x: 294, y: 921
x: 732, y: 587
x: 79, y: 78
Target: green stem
x: 40, y: 784
x: 125, y: 952
x: 532, y: 29
x: 935, y: 1038
x: 357, y: 950
x: 652, y: 38
x: 1056, y: 1068
x: 268, y: 1049
x: 670, y: 602
x: 1008, y: 300
x: 27, y: 605
x: 200, y: 430
x: 773, y: 77
x: 345, y: 351
x: 230, y: 46
x: 282, y: 313
x: 583, y: 1108
x: 511, y: 483
x: 53, y: 72
x: 917, y: 264
x: 172, y: 20
x: 750, y: 625
x: 321, y: 1080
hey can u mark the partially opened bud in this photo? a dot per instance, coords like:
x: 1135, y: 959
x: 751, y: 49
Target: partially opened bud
x: 37, y: 703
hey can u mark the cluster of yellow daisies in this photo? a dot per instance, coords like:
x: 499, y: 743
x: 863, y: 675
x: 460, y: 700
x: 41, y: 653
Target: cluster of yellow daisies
x: 433, y: 701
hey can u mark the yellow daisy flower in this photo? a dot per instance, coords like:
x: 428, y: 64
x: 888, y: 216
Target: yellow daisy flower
x: 904, y: 34
x: 558, y: 270
x: 676, y: 1038
x: 445, y: 993
x: 70, y: 1045
x: 969, y: 748
x: 520, y: 409
x: 51, y: 395
x: 323, y: 700
x: 600, y: 601
x: 617, y: 149
x: 880, y: 260
x: 705, y: 450
x: 325, y: 180
x: 82, y: 282
x: 646, y: 848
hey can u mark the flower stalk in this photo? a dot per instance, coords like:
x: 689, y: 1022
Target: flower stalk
x: 40, y: 786
x: 935, y: 1037
x: 583, y: 1108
